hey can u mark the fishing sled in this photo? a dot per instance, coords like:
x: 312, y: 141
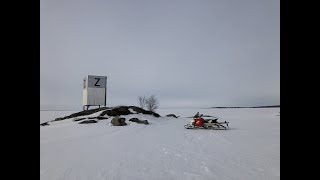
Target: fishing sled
x: 199, y: 123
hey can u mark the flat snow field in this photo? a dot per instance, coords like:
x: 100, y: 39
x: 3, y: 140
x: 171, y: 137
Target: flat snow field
x: 164, y: 149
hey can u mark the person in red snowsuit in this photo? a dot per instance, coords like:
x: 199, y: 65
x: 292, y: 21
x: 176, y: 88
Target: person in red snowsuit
x: 198, y: 122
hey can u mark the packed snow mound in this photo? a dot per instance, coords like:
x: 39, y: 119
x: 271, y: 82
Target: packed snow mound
x: 107, y: 120
x: 103, y: 113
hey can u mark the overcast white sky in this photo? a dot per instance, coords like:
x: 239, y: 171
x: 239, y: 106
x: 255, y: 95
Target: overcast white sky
x: 189, y: 53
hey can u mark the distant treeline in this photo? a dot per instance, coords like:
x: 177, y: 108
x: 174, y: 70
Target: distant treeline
x: 275, y: 106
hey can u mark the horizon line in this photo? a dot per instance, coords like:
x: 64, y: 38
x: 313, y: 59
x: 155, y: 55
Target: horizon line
x: 212, y: 107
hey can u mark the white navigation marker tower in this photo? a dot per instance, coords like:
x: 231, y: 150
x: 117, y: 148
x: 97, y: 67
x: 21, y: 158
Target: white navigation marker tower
x: 94, y: 91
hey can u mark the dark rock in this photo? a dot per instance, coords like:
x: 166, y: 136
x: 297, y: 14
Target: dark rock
x: 144, y: 122
x: 82, y: 113
x: 172, y: 115
x: 88, y: 122
x: 140, y: 110
x: 92, y: 117
x: 44, y: 124
x: 134, y: 119
x: 139, y: 121
x: 116, y: 121
x: 122, y: 121
x: 124, y: 110
x: 59, y: 119
x: 79, y: 119
x: 101, y: 117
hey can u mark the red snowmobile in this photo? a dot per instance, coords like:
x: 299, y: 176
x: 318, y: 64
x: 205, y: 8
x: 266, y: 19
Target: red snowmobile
x: 199, y: 122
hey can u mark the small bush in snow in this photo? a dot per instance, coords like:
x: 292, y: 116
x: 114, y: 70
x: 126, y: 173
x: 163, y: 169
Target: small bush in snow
x: 151, y: 103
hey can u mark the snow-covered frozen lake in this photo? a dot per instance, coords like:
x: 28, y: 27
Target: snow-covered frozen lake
x: 164, y: 149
